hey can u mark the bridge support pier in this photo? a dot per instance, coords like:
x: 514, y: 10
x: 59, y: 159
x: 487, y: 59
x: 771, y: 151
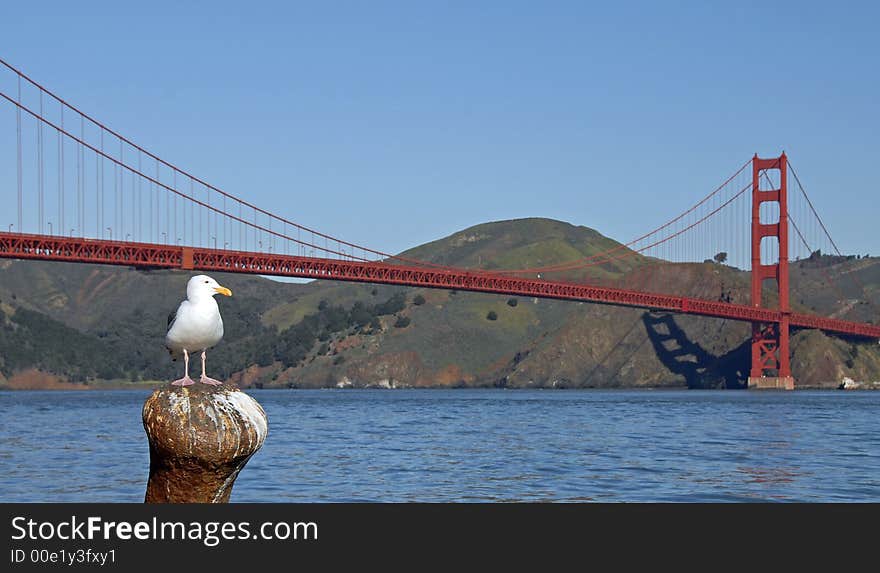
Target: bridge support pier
x: 771, y: 383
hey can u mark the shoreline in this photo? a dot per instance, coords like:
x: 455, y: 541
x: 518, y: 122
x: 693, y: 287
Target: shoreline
x: 866, y: 387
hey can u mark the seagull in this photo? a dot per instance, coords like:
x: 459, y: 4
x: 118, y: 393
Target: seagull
x: 196, y: 325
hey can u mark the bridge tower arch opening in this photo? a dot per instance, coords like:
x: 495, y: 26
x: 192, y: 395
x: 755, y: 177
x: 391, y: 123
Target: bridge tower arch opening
x: 771, y: 362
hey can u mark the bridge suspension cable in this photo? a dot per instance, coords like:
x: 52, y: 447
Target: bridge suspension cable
x: 260, y: 221
x: 635, y: 246
x: 827, y: 234
x: 134, y: 166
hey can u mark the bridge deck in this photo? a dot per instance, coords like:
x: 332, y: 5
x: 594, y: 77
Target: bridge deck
x: 147, y: 255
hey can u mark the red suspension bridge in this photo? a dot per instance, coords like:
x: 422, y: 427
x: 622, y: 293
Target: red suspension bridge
x: 85, y: 193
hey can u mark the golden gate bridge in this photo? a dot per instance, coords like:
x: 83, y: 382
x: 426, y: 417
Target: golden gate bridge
x: 76, y: 190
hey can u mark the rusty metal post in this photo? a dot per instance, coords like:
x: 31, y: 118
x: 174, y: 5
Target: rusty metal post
x: 201, y: 437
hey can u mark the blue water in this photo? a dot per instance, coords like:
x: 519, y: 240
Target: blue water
x: 473, y: 445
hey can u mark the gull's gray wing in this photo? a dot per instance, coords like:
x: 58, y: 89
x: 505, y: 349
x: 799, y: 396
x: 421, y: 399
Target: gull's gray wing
x: 180, y: 311
x: 171, y: 318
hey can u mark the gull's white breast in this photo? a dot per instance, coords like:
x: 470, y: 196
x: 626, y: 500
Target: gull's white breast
x: 195, y: 327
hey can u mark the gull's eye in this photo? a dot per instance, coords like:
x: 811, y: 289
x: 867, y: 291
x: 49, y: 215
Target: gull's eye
x: 206, y: 282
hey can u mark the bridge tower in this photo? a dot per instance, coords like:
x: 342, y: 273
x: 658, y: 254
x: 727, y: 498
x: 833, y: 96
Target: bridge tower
x: 771, y: 363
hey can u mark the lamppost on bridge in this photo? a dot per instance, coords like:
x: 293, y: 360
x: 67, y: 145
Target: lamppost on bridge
x: 178, y: 240
x: 226, y: 244
x: 10, y: 226
x: 127, y: 235
x: 164, y: 237
x: 215, y: 242
x: 71, y: 231
x: 111, y: 232
x: 50, y: 227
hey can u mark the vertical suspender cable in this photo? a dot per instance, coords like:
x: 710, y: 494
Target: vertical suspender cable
x: 99, y: 190
x: 115, y: 218
x: 121, y: 232
x: 84, y: 193
x: 82, y: 197
x: 40, y: 198
x: 157, y: 227
x: 168, y: 237
x: 78, y: 150
x: 135, y: 205
x: 61, y: 169
x: 100, y: 213
x: 19, y: 169
x: 60, y: 192
x: 140, y: 203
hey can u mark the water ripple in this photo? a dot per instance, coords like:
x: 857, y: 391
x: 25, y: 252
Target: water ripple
x: 473, y: 445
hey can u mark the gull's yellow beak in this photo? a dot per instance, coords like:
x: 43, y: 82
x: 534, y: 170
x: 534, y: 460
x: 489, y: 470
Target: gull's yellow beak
x: 223, y: 290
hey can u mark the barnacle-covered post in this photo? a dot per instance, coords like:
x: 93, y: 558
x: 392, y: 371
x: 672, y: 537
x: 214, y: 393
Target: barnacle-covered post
x: 201, y: 436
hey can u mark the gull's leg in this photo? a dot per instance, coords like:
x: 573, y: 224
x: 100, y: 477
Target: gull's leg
x: 186, y: 380
x: 204, y: 379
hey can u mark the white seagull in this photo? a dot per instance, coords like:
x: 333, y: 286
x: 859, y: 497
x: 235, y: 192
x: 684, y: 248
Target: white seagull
x: 196, y: 325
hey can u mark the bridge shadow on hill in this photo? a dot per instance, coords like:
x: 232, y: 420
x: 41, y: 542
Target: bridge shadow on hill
x: 700, y: 368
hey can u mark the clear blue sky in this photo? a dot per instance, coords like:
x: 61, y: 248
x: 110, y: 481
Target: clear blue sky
x: 394, y: 123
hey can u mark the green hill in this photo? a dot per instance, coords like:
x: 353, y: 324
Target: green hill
x: 92, y: 324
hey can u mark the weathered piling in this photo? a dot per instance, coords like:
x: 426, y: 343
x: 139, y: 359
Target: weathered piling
x: 200, y: 436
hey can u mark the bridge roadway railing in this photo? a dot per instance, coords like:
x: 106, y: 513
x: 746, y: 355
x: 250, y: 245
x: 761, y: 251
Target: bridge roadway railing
x: 148, y: 255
